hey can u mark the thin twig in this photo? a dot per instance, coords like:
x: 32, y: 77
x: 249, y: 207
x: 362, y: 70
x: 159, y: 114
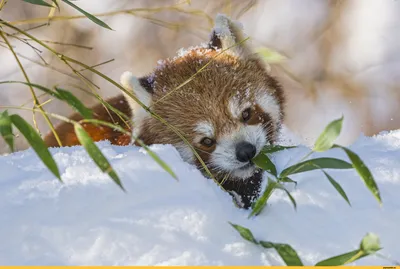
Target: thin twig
x: 31, y: 28
x: 43, y: 65
x: 66, y: 59
x: 134, y: 12
x: 35, y: 100
x: 67, y: 44
x: 3, y: 3
x: 97, y: 65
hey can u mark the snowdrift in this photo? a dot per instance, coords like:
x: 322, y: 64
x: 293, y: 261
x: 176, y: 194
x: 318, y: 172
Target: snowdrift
x: 88, y: 220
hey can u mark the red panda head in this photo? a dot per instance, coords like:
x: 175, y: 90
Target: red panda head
x: 228, y: 110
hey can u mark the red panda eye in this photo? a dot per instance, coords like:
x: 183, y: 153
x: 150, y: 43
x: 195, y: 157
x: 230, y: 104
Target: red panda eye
x: 246, y: 114
x: 208, y: 142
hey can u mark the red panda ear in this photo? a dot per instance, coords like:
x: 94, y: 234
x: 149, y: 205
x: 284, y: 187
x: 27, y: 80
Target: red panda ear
x: 143, y: 91
x: 228, y: 35
x: 139, y: 87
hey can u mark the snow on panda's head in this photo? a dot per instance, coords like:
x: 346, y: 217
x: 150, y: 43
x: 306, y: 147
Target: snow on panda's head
x: 227, y: 110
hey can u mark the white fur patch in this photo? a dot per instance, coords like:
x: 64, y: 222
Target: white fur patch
x: 131, y: 83
x: 269, y: 104
x: 224, y: 155
x: 236, y: 108
x: 205, y: 128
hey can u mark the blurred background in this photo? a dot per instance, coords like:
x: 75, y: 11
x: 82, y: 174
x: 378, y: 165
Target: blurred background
x: 341, y: 57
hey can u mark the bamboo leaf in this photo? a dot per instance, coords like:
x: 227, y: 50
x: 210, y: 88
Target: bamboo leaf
x: 38, y: 2
x: 327, y: 138
x: 158, y: 159
x: 288, y: 180
x: 285, y: 251
x: 363, y: 172
x: 55, y: 3
x: 244, y: 232
x: 275, y: 148
x: 342, y: 259
x: 122, y: 130
x: 281, y: 187
x: 37, y: 86
x: 74, y: 102
x: 96, y: 155
x: 369, y: 245
x: 6, y: 129
x: 62, y: 95
x: 262, y: 201
x: 88, y: 15
x: 313, y: 164
x: 264, y: 162
x: 36, y: 143
x: 337, y: 186
x: 270, y: 56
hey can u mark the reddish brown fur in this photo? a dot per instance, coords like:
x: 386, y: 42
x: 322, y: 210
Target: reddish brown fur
x: 205, y: 97
x: 98, y: 133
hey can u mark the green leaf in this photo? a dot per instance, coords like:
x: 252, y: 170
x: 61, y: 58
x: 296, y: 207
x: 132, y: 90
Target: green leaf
x: 274, y: 148
x: 264, y: 162
x: 96, y: 155
x: 55, y: 3
x: 75, y: 103
x: 158, y: 159
x: 262, y: 201
x: 40, y: 87
x: 270, y: 56
x: 88, y: 15
x: 281, y: 187
x: 342, y: 259
x: 62, y: 95
x: 313, y: 164
x: 244, y: 232
x: 6, y: 129
x: 38, y: 2
x: 36, y: 143
x: 327, y: 138
x: 287, y: 253
x: 370, y: 243
x: 122, y: 130
x: 288, y: 180
x: 363, y: 172
x: 337, y: 187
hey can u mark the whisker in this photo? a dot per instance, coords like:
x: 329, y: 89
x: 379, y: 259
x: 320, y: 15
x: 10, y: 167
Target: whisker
x: 198, y: 149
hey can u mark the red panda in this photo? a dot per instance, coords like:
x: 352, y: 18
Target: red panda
x: 228, y: 111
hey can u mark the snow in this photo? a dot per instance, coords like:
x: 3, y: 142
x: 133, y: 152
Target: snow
x: 88, y: 220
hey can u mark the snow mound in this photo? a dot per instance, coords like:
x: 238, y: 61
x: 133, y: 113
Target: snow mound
x: 88, y: 220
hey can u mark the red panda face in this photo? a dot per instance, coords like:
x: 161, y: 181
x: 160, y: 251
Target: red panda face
x: 228, y: 111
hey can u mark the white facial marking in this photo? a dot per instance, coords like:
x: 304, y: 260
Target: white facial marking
x: 132, y: 84
x: 205, y: 128
x: 236, y: 108
x: 224, y: 155
x: 269, y: 105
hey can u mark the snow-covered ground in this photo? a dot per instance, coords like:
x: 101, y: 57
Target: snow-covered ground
x: 88, y: 220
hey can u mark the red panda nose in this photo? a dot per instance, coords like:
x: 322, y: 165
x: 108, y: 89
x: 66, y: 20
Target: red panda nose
x: 245, y: 151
